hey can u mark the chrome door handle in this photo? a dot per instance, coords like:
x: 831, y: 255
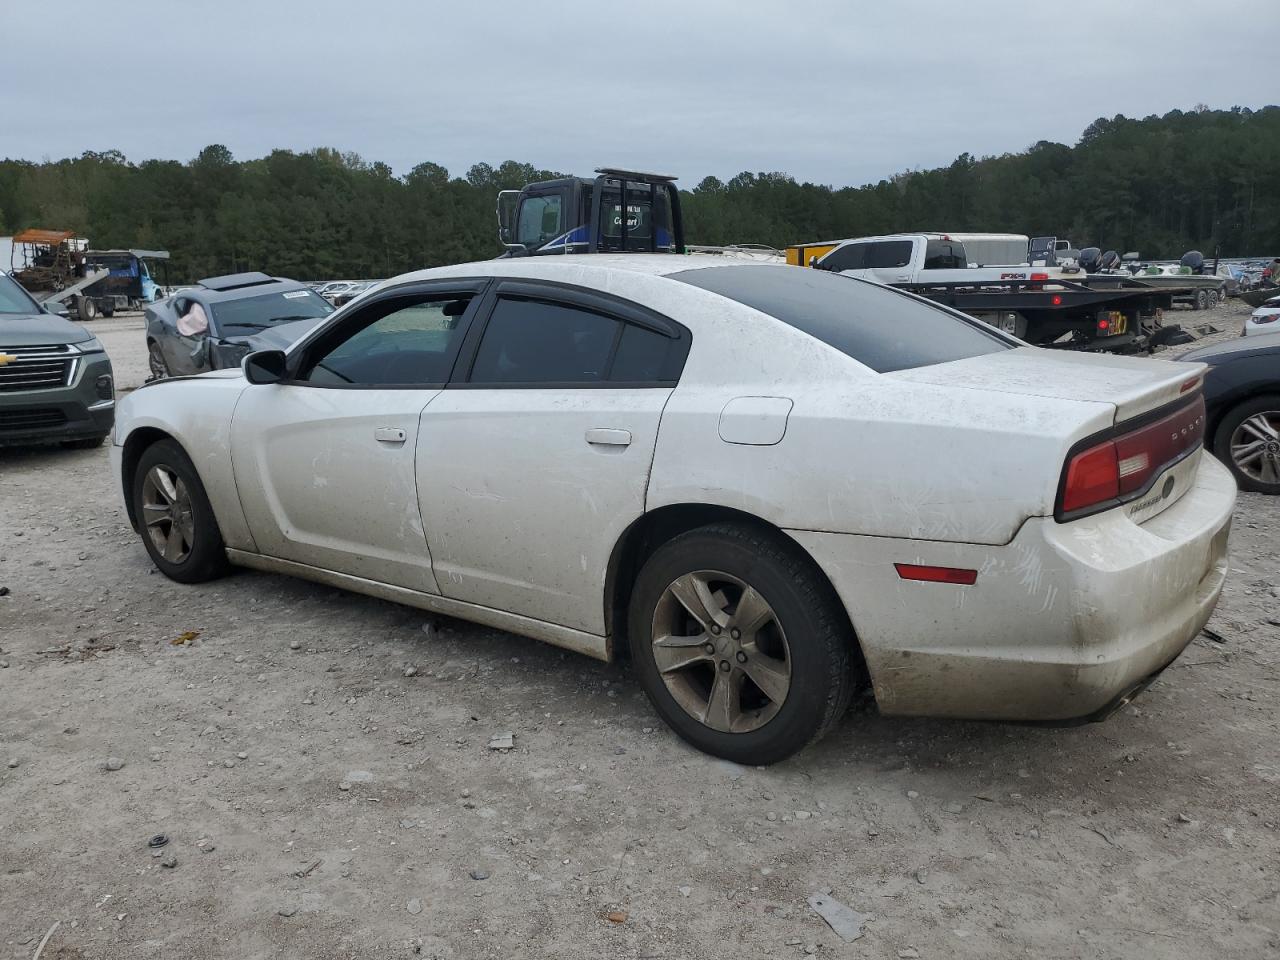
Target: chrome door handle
x: 603, y: 437
x: 389, y: 435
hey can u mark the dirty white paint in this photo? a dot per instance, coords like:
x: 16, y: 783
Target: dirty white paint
x: 505, y: 505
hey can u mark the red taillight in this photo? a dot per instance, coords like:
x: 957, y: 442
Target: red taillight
x: 1104, y: 325
x: 1117, y: 468
x: 914, y: 571
x: 1057, y: 300
x: 1039, y: 276
x: 1092, y: 477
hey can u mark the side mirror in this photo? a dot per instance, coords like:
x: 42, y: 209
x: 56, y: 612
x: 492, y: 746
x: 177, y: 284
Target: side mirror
x: 508, y: 200
x: 265, y: 366
x: 813, y: 261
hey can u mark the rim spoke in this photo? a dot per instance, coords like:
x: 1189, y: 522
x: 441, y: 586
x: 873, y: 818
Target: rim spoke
x: 1248, y: 452
x: 1269, y: 472
x: 154, y: 513
x: 752, y: 612
x: 173, y: 544
x: 723, y: 706
x: 697, y: 640
x: 671, y: 657
x: 1260, y: 427
x: 164, y: 483
x: 773, y: 677
x: 695, y: 595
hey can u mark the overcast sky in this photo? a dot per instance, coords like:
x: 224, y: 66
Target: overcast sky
x: 842, y: 93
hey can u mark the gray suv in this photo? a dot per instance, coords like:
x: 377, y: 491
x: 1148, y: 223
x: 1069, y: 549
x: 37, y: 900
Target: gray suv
x: 55, y: 379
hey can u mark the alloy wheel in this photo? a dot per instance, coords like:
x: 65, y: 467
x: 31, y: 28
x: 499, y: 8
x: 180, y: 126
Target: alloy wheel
x: 1255, y: 446
x: 166, y: 513
x: 155, y: 360
x: 721, y: 651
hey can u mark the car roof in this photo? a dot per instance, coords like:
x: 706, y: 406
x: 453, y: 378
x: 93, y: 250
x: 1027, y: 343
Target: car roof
x: 272, y: 285
x: 1231, y: 349
x: 592, y: 267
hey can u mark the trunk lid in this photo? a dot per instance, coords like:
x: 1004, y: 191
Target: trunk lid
x: 1133, y: 385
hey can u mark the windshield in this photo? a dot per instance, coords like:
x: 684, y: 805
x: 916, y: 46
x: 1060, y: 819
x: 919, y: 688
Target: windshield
x: 248, y: 315
x: 541, y: 219
x: 13, y: 299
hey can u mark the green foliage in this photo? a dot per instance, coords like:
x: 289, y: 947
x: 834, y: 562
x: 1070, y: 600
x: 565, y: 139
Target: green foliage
x: 1205, y: 179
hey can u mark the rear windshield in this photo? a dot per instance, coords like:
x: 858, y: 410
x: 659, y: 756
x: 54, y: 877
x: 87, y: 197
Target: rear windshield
x: 879, y: 327
x: 247, y: 315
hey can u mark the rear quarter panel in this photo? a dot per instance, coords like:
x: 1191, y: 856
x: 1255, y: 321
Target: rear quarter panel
x: 861, y: 452
x: 878, y: 458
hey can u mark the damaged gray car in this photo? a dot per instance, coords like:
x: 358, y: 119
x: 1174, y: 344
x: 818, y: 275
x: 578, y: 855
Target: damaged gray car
x: 215, y: 324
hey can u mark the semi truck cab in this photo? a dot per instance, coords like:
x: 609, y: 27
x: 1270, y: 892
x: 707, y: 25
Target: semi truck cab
x: 619, y: 211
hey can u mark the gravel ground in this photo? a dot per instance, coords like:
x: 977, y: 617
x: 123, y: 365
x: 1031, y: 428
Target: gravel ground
x: 320, y: 764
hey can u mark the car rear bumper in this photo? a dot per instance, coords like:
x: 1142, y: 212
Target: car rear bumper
x: 73, y: 412
x: 1064, y: 623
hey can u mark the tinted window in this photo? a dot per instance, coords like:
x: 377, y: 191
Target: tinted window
x: 880, y: 327
x: 529, y: 341
x: 643, y: 356
x: 645, y: 214
x: 398, y: 342
x: 852, y: 256
x: 945, y: 255
x: 888, y: 254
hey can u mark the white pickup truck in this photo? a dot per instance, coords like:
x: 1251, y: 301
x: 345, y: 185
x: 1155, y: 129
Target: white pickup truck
x: 1046, y: 305
x: 925, y: 258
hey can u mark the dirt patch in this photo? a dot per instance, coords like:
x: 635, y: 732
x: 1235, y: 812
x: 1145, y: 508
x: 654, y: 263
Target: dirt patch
x: 341, y: 798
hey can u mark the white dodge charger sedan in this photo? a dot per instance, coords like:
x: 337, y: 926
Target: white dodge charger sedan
x: 768, y: 485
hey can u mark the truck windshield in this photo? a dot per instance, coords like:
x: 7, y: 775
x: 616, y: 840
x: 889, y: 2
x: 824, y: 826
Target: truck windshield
x: 13, y: 299
x: 541, y: 219
x: 249, y: 314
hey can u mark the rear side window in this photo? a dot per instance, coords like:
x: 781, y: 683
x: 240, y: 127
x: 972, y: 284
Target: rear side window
x: 527, y: 341
x: 533, y: 341
x: 945, y: 255
x: 878, y: 326
x: 852, y: 256
x: 643, y: 356
x: 888, y: 254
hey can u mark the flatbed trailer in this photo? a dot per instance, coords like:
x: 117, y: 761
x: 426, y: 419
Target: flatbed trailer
x: 1122, y: 317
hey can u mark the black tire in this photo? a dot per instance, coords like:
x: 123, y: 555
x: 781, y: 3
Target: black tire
x: 206, y: 558
x: 108, y: 309
x: 86, y: 309
x: 818, y: 640
x: 1232, y: 419
x: 155, y: 361
x: 84, y: 443
x: 1214, y: 297
x: 1202, y: 300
